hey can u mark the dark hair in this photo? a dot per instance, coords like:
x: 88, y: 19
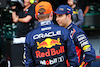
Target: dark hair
x: 71, y: 16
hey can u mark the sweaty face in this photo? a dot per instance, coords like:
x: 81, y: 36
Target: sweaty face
x: 62, y: 20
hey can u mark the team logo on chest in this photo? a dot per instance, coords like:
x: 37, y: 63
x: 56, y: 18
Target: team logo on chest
x: 48, y: 43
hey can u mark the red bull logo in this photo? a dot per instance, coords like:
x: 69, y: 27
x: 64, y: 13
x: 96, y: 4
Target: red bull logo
x: 48, y: 43
x: 50, y: 52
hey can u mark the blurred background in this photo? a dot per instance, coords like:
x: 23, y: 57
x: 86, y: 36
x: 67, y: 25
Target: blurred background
x: 10, y: 52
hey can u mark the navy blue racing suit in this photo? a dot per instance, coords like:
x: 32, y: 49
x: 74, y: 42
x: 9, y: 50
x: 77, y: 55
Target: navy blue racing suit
x: 49, y: 45
x: 83, y: 46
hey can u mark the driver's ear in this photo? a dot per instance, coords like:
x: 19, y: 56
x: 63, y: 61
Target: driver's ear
x: 36, y: 16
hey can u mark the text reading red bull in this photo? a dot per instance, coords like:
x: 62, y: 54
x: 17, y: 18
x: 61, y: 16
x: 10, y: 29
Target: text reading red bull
x: 50, y: 52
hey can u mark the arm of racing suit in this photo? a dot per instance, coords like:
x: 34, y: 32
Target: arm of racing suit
x: 83, y: 43
x: 71, y: 53
x: 29, y: 60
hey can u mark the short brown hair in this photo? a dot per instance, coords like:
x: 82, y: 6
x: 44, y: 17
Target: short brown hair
x: 42, y: 16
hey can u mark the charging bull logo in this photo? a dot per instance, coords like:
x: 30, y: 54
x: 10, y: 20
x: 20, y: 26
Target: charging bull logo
x: 48, y: 43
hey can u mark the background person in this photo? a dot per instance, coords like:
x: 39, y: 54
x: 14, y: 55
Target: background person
x: 48, y: 45
x: 83, y: 46
x: 84, y: 5
x: 24, y: 18
x: 25, y: 21
x: 77, y: 13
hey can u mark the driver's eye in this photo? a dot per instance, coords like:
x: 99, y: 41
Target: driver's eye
x: 60, y: 15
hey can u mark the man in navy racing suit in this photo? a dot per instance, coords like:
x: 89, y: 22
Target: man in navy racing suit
x: 83, y: 46
x: 49, y: 45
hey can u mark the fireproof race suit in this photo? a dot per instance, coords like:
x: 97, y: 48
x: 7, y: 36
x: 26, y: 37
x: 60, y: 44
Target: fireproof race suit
x: 83, y: 46
x: 49, y: 46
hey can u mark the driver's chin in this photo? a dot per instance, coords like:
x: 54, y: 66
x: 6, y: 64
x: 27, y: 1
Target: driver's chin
x: 60, y: 25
